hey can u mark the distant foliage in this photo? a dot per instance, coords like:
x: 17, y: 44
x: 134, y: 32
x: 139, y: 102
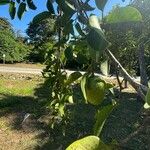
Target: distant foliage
x: 119, y: 14
x: 41, y: 36
x: 13, y: 48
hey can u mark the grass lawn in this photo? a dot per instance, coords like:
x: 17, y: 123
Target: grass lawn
x: 20, y: 96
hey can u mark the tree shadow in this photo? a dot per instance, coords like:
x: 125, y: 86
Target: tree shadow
x: 124, y: 120
x: 18, y: 107
x: 79, y: 123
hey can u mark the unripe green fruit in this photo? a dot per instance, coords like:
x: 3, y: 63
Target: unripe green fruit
x: 95, y: 90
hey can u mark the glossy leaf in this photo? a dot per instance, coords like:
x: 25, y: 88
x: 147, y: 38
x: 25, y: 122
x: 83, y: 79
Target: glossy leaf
x: 4, y: 2
x: 50, y: 7
x: 97, y: 40
x: 83, y: 85
x: 73, y: 77
x: 21, y: 10
x: 31, y: 5
x: 88, y: 143
x: 12, y: 9
x: 96, y: 37
x: 105, y: 68
x: 101, y: 4
x: 124, y: 14
x: 101, y: 117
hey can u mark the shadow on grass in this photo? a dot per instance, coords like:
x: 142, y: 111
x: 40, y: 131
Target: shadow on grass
x: 19, y: 106
x: 124, y: 120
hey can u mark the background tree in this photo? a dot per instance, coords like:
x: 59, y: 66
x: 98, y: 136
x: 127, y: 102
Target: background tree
x: 41, y: 36
x: 4, y: 24
x: 14, y: 49
x: 123, y: 37
x: 143, y: 50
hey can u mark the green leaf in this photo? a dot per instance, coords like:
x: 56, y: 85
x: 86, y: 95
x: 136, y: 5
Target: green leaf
x: 73, y: 77
x: 12, y: 9
x: 101, y: 117
x: 86, y: 7
x: 50, y: 7
x: 147, y: 100
x: 69, y: 53
x: 4, y: 2
x: 124, y: 14
x: 21, y: 10
x: 96, y: 38
x: 88, y: 143
x: 83, y: 85
x: 108, y: 86
x: 41, y: 16
x: 105, y: 67
x: 78, y: 28
x: 18, y: 1
x: 101, y: 4
x: 61, y: 110
x: 68, y: 29
x: 31, y: 5
x: 66, y: 7
x: 81, y: 59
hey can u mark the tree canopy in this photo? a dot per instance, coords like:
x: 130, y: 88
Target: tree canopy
x: 13, y: 48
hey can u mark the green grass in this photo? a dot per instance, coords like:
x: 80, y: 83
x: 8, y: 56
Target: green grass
x: 17, y: 87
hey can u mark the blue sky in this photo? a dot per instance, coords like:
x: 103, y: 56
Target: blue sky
x: 41, y: 6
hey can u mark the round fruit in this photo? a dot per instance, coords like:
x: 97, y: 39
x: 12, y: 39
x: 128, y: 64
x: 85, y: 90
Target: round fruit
x: 95, y: 90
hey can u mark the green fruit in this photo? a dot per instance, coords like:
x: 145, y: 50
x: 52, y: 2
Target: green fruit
x: 95, y: 90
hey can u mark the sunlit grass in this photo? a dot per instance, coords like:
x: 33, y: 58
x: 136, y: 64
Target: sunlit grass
x: 17, y: 87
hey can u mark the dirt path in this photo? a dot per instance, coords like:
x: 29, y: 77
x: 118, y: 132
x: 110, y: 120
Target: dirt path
x: 38, y: 71
x: 20, y: 70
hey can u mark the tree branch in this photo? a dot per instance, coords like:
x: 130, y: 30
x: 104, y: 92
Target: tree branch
x: 137, y: 86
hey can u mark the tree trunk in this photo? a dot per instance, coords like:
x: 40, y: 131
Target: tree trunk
x: 142, y: 65
x: 137, y: 86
